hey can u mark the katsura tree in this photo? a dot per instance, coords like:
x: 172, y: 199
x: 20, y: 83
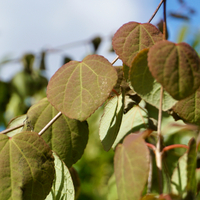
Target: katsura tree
x: 155, y: 92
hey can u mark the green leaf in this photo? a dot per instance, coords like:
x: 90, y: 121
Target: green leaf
x: 179, y: 176
x: 111, y: 121
x: 112, y: 188
x: 184, y: 175
x: 132, y: 121
x: 77, y: 89
x: 131, y: 164
x: 96, y: 43
x: 62, y: 187
x: 152, y: 197
x: 132, y: 38
x: 126, y: 72
x: 26, y: 167
x: 145, y: 85
x: 191, y: 170
x: 5, y: 90
x: 66, y: 137
x: 22, y: 83
x: 189, y: 108
x: 15, y: 122
x: 176, y: 67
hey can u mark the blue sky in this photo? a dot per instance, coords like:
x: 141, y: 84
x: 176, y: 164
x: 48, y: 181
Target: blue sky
x: 30, y: 26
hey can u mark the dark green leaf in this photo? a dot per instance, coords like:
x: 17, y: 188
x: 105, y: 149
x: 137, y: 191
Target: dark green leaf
x: 42, y: 62
x: 67, y: 137
x: 28, y: 60
x: 189, y: 108
x: 96, y: 43
x: 191, y: 170
x: 26, y: 167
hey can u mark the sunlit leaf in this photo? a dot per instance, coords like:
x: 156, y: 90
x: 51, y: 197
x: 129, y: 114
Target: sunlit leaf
x: 77, y: 89
x: 15, y: 122
x: 131, y: 164
x: 27, y: 170
x: 111, y: 121
x: 189, y: 108
x: 132, y: 38
x: 62, y: 187
x: 176, y: 67
x: 145, y: 85
x: 67, y: 137
x: 132, y: 121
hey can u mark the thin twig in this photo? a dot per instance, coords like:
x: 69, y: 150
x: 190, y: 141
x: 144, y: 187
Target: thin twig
x: 173, y: 146
x: 159, y: 142
x: 11, y: 129
x: 114, y: 61
x: 148, y: 22
x: 150, y: 176
x: 156, y: 11
x: 160, y: 120
x: 50, y: 123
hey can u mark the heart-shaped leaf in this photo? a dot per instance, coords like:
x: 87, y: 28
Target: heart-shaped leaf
x: 77, y: 89
x: 176, y: 67
x: 132, y: 38
x: 67, y: 137
x: 111, y: 121
x: 131, y: 164
x: 26, y: 167
x: 62, y: 187
x: 189, y: 108
x: 145, y: 85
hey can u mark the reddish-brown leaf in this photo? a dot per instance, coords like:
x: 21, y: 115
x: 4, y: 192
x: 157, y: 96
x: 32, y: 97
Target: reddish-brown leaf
x: 132, y: 38
x: 176, y: 67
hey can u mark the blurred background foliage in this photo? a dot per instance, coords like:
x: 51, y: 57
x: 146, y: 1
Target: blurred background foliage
x: 93, y: 172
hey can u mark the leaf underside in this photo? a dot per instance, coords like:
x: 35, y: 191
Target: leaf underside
x: 111, y: 121
x: 62, y: 187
